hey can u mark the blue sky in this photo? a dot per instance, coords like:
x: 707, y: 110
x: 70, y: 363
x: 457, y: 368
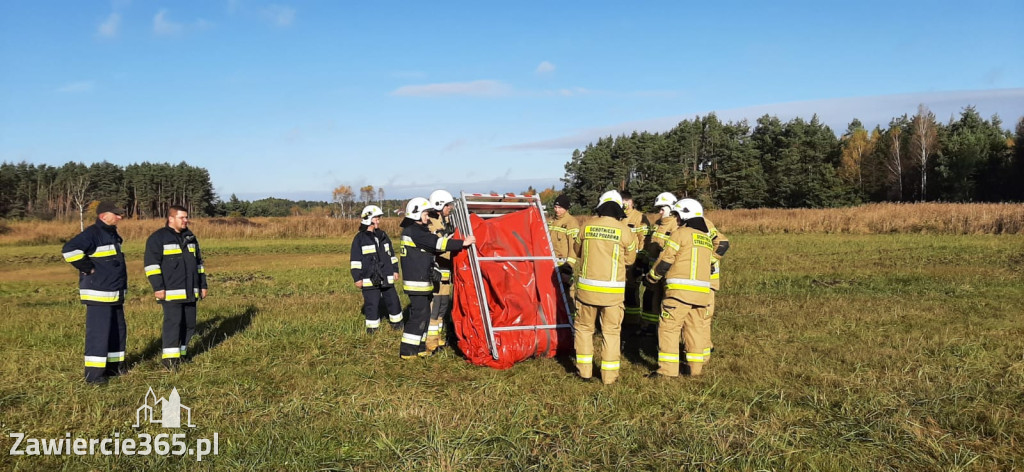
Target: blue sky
x: 293, y: 98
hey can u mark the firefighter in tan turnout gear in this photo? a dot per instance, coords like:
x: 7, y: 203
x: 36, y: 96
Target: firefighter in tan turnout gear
x: 605, y: 246
x: 721, y: 245
x: 563, y: 230
x: 639, y: 226
x: 685, y: 264
x: 656, y: 239
x: 441, y: 224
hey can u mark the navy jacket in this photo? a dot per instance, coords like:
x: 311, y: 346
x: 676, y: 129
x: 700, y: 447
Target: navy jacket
x: 98, y: 250
x: 373, y: 259
x: 174, y: 263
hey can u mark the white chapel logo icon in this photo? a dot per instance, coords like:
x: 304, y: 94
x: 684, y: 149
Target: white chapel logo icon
x: 170, y: 409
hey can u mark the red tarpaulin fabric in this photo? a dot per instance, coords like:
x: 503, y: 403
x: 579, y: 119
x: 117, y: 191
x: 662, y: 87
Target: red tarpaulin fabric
x: 519, y: 293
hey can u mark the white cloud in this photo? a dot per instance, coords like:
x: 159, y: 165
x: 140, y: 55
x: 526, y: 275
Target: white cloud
x: 279, y: 15
x: 109, y: 28
x: 76, y: 87
x: 164, y: 26
x: 836, y: 113
x: 545, y: 68
x: 476, y: 88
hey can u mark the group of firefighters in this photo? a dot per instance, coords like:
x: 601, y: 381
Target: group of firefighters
x: 618, y: 269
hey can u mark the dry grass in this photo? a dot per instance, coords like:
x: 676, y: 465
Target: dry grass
x: 879, y: 218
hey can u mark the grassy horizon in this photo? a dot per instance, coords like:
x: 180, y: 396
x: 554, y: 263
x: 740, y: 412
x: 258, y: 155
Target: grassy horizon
x: 833, y: 352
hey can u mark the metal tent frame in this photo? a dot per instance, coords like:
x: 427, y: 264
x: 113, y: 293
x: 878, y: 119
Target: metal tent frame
x: 491, y: 206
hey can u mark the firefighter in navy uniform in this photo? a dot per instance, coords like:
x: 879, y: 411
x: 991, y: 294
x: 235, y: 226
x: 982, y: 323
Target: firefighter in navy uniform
x: 102, y: 284
x: 174, y: 267
x: 441, y: 305
x: 375, y: 269
x: 685, y: 264
x: 605, y: 247
x: 419, y: 247
x: 660, y: 233
x: 639, y: 226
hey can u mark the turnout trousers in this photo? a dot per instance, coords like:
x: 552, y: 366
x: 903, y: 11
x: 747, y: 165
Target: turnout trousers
x: 632, y: 308
x: 611, y: 327
x: 653, y: 296
x: 440, y: 313
x: 415, y: 332
x: 371, y: 305
x: 105, y: 338
x: 695, y: 323
x: 179, y: 327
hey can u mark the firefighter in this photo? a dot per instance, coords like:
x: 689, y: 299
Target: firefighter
x: 374, y: 268
x: 605, y: 247
x: 685, y: 264
x: 721, y: 245
x: 419, y: 247
x: 563, y: 230
x: 174, y: 267
x: 102, y: 284
x: 639, y: 226
x: 441, y: 305
x: 662, y: 231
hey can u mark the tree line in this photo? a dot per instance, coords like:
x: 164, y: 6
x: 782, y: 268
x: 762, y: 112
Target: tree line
x: 802, y: 163
x: 145, y: 190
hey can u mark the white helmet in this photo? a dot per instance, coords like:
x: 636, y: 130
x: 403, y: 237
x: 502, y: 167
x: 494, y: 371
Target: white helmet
x: 665, y: 199
x: 415, y: 208
x: 370, y: 211
x: 440, y: 198
x: 688, y: 208
x: 610, y: 196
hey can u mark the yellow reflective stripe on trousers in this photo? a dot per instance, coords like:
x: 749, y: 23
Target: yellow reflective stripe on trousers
x: 99, y: 295
x: 171, y: 249
x: 72, y: 256
x: 694, y: 357
x: 584, y: 358
x: 176, y: 295
x: 668, y: 357
x: 153, y: 270
x: 609, y: 365
x: 172, y: 353
x: 95, y: 361
x: 415, y: 286
x: 411, y: 339
x: 104, y: 251
x: 115, y: 356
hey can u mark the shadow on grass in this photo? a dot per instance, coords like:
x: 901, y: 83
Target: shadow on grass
x: 211, y: 332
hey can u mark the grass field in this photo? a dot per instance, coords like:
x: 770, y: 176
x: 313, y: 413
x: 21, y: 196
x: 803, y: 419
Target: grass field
x: 833, y: 352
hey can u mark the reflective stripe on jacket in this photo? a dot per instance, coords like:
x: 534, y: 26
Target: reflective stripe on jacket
x: 717, y: 238
x: 174, y: 263
x: 657, y: 238
x: 419, y: 246
x: 605, y: 246
x: 373, y: 257
x: 564, y: 230
x: 687, y: 255
x: 443, y: 228
x: 97, y: 249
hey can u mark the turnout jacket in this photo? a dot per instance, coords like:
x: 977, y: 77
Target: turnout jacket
x: 98, y: 248
x: 443, y: 228
x: 419, y: 247
x: 721, y: 244
x: 685, y: 263
x: 373, y: 259
x: 174, y: 263
x: 564, y: 230
x: 638, y: 223
x: 604, y: 247
x: 657, y: 238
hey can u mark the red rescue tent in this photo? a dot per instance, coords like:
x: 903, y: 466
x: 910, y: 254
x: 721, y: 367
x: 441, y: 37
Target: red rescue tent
x: 508, y: 303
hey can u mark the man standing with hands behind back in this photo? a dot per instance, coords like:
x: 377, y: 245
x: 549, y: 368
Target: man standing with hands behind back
x: 174, y: 267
